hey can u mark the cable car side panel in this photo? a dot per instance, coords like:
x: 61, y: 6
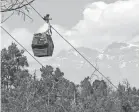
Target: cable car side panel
x: 42, y: 45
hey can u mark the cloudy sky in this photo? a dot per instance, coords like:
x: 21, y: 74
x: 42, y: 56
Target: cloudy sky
x: 88, y: 23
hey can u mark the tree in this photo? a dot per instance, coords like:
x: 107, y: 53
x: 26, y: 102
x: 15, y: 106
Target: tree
x: 23, y: 97
x: 99, y: 88
x: 53, y: 93
x: 86, y: 87
x: 134, y: 91
x: 12, y: 6
x: 12, y: 61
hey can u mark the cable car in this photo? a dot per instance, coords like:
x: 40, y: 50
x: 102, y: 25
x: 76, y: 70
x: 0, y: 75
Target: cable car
x: 42, y: 45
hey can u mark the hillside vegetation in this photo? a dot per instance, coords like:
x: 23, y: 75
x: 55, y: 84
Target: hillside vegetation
x: 23, y: 92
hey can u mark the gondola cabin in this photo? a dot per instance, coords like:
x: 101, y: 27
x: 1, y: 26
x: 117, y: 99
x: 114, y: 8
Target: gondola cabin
x: 42, y: 45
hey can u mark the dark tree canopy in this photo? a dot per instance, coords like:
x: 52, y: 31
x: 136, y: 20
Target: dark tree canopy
x: 23, y: 92
x: 12, y: 61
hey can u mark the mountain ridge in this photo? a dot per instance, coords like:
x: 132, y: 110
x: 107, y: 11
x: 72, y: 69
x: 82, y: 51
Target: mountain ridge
x: 117, y: 61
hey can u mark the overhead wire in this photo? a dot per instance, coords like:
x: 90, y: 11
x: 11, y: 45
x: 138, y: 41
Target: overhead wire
x: 21, y: 46
x: 75, y: 48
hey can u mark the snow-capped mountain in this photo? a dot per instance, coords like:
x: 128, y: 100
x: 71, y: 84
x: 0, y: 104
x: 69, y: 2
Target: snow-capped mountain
x: 117, y: 61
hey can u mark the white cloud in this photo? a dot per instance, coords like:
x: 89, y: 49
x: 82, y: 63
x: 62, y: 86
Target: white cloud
x: 23, y: 36
x: 101, y: 24
x: 109, y: 22
x: 135, y: 39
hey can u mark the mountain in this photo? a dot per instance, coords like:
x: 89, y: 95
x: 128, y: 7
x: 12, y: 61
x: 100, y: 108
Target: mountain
x: 117, y: 61
x: 121, y: 60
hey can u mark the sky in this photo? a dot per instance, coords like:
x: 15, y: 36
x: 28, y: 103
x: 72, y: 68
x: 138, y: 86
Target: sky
x: 88, y: 23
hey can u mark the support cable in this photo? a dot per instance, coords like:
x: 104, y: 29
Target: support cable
x: 21, y: 46
x: 74, y: 48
